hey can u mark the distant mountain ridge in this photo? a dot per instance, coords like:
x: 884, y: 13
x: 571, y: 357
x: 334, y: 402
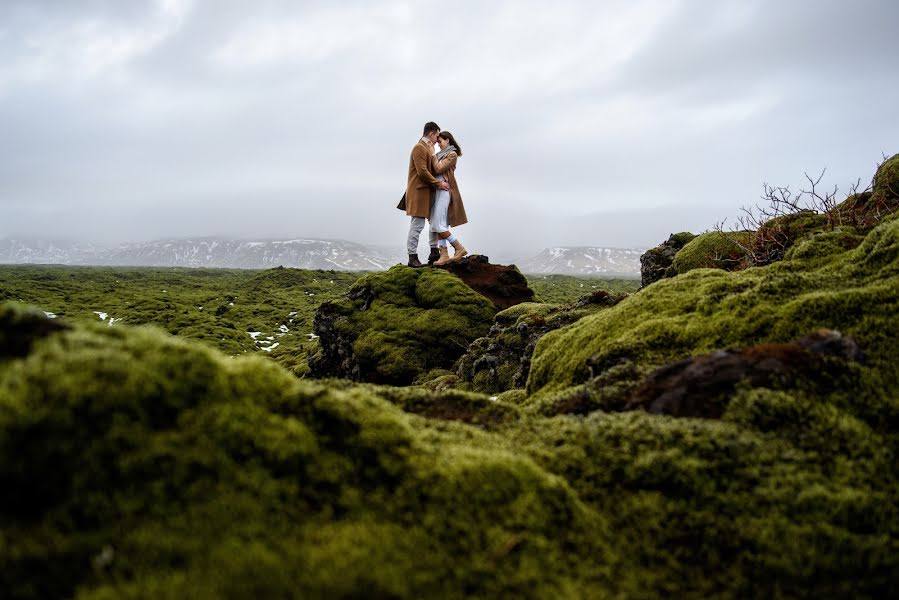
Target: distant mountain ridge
x: 298, y: 253
x: 585, y: 260
x: 204, y: 252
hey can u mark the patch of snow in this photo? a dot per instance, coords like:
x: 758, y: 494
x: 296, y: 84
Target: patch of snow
x: 311, y: 336
x: 292, y: 314
x: 50, y: 315
x: 494, y: 398
x: 102, y: 315
x: 270, y: 348
x: 254, y: 334
x: 283, y: 328
x: 230, y: 304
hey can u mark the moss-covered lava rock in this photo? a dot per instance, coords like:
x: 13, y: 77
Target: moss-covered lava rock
x: 396, y: 325
x: 501, y: 360
x: 855, y: 292
x: 655, y: 263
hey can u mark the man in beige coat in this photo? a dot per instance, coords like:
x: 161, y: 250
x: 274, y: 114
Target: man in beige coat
x: 420, y: 188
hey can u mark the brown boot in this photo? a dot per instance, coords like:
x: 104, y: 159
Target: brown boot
x: 444, y: 257
x: 413, y: 261
x: 459, y: 249
x: 433, y: 256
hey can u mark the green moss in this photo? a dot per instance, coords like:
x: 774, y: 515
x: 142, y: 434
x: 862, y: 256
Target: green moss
x: 138, y: 465
x: 886, y: 182
x: 713, y: 250
x: 703, y: 310
x: 824, y: 245
x: 177, y: 472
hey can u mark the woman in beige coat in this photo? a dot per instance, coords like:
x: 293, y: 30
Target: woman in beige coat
x: 447, y: 210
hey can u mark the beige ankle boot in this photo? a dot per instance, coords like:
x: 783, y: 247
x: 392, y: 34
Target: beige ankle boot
x: 444, y: 256
x: 459, y: 249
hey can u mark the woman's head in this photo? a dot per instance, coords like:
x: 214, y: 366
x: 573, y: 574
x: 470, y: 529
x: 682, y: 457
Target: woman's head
x: 445, y: 138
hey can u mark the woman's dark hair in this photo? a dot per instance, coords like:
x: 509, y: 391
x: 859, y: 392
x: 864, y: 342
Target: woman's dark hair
x: 449, y: 137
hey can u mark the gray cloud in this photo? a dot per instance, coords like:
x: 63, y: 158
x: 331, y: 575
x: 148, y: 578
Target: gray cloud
x: 583, y: 123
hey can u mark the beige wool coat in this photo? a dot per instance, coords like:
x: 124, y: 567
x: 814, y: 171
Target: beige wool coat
x: 447, y: 167
x: 421, y: 183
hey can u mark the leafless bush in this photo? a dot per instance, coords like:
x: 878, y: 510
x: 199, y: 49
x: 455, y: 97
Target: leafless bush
x: 783, y: 215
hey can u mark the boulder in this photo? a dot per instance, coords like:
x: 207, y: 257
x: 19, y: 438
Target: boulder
x: 702, y: 386
x: 504, y: 285
x: 655, y: 262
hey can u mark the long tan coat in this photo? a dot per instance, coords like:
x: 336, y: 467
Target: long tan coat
x: 421, y: 183
x: 447, y: 167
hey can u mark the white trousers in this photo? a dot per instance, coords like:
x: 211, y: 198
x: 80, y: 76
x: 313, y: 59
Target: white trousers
x: 439, y: 210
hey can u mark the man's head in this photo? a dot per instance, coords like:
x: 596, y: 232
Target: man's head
x: 431, y: 131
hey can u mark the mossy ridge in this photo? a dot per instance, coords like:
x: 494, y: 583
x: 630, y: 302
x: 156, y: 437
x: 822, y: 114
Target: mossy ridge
x: 205, y: 476
x: 854, y: 292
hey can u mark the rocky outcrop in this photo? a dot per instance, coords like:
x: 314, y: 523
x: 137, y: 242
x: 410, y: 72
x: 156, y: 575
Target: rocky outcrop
x: 502, y: 359
x: 655, y: 263
x: 392, y: 327
x: 504, y: 285
x: 21, y: 327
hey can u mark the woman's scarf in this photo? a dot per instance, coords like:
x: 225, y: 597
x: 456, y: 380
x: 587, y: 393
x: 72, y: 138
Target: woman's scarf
x: 442, y: 154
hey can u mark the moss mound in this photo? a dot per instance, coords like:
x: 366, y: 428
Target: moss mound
x: 714, y: 250
x: 393, y: 326
x: 825, y: 244
x: 885, y: 189
x: 775, y: 237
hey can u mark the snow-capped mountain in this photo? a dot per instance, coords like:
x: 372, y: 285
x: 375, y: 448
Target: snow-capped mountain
x: 43, y: 251
x: 206, y: 252
x: 585, y: 260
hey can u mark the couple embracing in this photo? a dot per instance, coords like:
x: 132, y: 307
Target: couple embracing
x: 432, y: 194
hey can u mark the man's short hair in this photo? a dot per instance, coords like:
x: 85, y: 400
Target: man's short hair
x: 431, y: 127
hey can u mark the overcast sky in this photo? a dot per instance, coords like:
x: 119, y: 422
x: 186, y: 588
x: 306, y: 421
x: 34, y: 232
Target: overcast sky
x: 582, y: 123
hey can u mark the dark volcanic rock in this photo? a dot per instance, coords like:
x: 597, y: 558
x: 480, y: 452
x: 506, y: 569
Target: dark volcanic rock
x: 21, y: 327
x: 504, y: 285
x: 502, y: 359
x: 701, y: 386
x: 655, y: 263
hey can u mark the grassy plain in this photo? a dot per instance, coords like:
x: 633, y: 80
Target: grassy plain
x: 235, y: 311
